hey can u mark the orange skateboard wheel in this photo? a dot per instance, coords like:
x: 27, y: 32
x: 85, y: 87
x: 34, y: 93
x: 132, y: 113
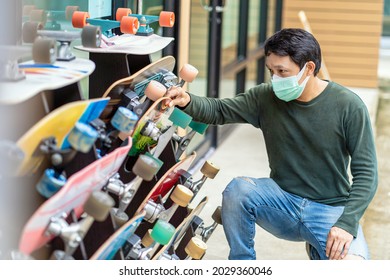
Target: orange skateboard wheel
x: 122, y: 12
x: 166, y: 19
x: 69, y: 10
x: 155, y: 90
x: 79, y: 19
x: 129, y: 25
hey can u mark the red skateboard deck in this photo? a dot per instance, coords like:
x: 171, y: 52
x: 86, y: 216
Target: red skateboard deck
x: 70, y: 198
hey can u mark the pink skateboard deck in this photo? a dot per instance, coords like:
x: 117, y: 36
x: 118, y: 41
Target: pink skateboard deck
x: 71, y: 196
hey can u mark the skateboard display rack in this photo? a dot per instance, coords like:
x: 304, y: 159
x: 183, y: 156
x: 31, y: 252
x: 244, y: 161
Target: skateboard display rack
x: 93, y: 152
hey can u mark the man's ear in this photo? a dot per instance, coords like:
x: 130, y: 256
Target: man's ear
x: 311, y: 66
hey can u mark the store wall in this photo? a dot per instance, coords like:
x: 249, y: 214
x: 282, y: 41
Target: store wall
x: 349, y: 32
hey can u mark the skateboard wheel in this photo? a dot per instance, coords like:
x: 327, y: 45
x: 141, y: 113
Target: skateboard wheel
x: 209, y: 170
x: 162, y: 232
x: 119, y: 219
x: 129, y: 25
x: 155, y: 90
x: 188, y: 73
x: 69, y: 10
x: 198, y: 127
x: 44, y: 51
x: 98, y: 205
x: 179, y: 118
x: 182, y: 195
x: 30, y: 31
x: 82, y: 137
x: 122, y: 12
x: 217, y: 217
x: 60, y: 255
x: 38, y: 16
x: 124, y: 120
x: 195, y: 248
x: 49, y: 184
x: 147, y: 166
x: 147, y: 240
x: 79, y: 19
x: 166, y: 19
x: 91, y: 36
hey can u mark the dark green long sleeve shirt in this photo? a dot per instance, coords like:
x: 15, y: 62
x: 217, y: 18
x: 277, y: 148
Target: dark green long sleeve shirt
x: 309, y: 144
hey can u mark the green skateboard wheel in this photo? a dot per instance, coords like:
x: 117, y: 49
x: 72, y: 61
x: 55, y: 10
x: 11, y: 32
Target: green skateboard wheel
x: 179, y: 118
x: 162, y: 232
x: 198, y: 127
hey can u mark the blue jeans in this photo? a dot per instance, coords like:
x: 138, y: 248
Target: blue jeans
x: 249, y: 201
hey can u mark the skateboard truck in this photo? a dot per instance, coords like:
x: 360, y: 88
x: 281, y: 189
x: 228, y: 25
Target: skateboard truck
x: 90, y: 37
x: 145, y: 168
x: 165, y: 19
x: 198, y: 227
x: 96, y: 208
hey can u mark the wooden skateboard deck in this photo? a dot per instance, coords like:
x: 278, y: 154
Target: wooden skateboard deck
x: 180, y: 230
x: 71, y: 197
x: 138, y: 79
x: 56, y: 124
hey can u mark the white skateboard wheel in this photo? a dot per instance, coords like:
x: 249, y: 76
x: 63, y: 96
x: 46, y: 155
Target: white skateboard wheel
x: 124, y: 120
x: 82, y: 137
x: 147, y: 166
x: 99, y: 205
x: 182, y: 195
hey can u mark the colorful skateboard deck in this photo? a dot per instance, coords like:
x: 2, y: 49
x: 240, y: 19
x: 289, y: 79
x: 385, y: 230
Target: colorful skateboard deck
x: 71, y: 197
x: 56, y: 124
x: 44, y: 77
x: 111, y: 247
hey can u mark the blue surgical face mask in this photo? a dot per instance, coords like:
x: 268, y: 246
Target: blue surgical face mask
x: 288, y: 88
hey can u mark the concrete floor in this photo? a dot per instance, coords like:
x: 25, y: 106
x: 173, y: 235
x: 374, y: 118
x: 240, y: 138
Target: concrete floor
x: 243, y: 153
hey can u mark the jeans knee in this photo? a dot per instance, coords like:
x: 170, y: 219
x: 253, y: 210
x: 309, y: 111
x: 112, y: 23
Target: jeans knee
x: 237, y: 191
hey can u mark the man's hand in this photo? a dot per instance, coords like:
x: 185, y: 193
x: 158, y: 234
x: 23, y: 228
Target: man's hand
x: 338, y: 243
x: 179, y: 97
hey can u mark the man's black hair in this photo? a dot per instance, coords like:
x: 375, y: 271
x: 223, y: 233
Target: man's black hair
x: 297, y: 43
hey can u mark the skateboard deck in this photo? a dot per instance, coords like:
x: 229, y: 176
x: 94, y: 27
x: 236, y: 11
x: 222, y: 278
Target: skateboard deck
x: 56, y: 124
x: 137, y: 82
x: 114, y: 244
x: 70, y: 198
x: 130, y: 44
x: 159, y: 192
x: 44, y: 77
x: 169, y: 249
